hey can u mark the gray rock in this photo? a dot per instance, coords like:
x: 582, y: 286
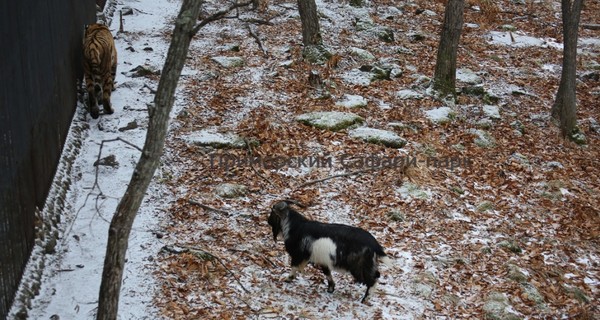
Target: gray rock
x: 492, y: 112
x: 330, y: 120
x: 576, y: 293
x: 578, y: 137
x: 361, y: 54
x: 211, y: 138
x: 517, y: 274
x: 484, y: 139
x: 410, y: 190
x: 511, y: 245
x: 229, y: 62
x: 508, y: 27
x: 594, y: 126
x: 553, y: 165
x: 378, y: 136
x: 318, y: 54
x: 485, y: 206
x: 357, y: 77
x: 230, y: 190
x: 468, y: 76
x: 497, y: 307
x: 517, y: 125
x: 531, y: 293
x: 352, y: 101
x: 440, y: 115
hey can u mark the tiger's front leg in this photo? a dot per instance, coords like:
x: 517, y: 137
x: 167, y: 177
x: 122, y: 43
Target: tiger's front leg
x: 92, y: 97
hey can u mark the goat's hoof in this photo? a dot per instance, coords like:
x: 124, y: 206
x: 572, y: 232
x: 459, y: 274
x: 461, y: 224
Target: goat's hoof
x: 289, y: 279
x: 331, y: 289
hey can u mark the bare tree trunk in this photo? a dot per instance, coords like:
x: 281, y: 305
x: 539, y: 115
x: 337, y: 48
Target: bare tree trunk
x: 120, y: 226
x: 565, y: 105
x: 311, y: 32
x: 444, y: 79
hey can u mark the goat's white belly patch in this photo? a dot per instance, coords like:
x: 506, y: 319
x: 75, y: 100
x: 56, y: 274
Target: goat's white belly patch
x: 323, y: 252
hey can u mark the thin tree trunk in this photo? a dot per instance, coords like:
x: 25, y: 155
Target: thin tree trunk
x: 444, y: 79
x: 311, y: 32
x: 565, y: 106
x: 120, y: 226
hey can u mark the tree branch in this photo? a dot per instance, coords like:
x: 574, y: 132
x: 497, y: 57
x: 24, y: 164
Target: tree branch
x: 205, y: 207
x: 219, y: 15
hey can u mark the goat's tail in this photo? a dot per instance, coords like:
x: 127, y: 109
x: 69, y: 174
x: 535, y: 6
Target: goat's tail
x: 384, y: 259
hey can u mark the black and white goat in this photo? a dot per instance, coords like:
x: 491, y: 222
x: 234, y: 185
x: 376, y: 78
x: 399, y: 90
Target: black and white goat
x: 330, y: 246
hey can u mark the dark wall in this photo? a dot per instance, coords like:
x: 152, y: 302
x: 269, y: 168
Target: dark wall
x: 40, y: 62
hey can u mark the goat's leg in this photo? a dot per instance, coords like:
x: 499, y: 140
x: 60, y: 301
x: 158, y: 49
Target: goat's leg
x: 330, y: 283
x: 370, y: 289
x: 296, y: 267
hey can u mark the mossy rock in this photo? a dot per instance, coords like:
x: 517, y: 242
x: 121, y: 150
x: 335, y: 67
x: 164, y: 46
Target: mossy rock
x: 511, y: 245
x: 230, y: 190
x: 396, y: 215
x: 330, y: 120
x: 317, y: 54
x: 378, y: 136
x: 497, y: 307
x: 516, y: 274
x: 485, y: 206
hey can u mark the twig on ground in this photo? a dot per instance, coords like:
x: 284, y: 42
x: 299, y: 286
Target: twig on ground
x: 257, y: 21
x: 203, y: 254
x: 205, y: 207
x: 96, y: 185
x: 258, y: 41
x: 252, y: 167
x: 351, y: 173
x: 152, y: 90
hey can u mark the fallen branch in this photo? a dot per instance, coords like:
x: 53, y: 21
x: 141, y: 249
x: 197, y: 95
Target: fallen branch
x: 359, y: 172
x: 219, y: 15
x: 258, y: 41
x: 204, y: 255
x: 252, y: 167
x: 591, y: 26
x: 257, y: 21
x: 96, y: 185
x: 205, y: 207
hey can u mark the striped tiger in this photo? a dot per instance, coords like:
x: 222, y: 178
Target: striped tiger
x: 99, y: 66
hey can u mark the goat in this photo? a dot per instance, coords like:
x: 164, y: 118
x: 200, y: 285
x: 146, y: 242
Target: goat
x: 330, y: 246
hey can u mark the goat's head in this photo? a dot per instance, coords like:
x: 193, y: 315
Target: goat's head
x: 278, y: 213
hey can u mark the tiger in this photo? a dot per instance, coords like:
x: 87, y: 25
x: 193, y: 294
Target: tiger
x: 99, y: 67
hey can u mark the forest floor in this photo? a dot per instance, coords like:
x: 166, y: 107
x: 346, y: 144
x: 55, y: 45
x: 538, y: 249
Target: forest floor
x: 511, y: 232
